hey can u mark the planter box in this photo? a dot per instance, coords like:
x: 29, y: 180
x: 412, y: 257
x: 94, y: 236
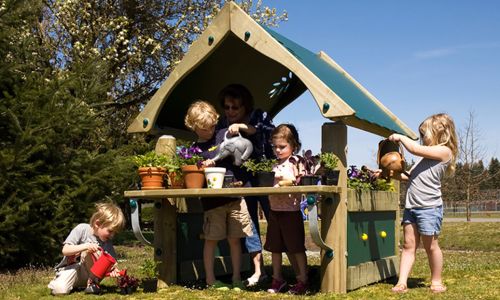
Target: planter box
x: 372, y: 237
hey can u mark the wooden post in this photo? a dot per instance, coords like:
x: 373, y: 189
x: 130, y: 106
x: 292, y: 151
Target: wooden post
x: 334, y: 213
x: 165, y: 225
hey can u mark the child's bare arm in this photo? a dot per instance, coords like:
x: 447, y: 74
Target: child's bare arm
x: 237, y: 127
x: 437, y: 152
x: 69, y: 250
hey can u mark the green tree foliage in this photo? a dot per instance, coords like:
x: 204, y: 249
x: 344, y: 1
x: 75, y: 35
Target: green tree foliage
x: 72, y: 74
x: 55, y: 158
x: 493, y: 181
x: 141, y: 42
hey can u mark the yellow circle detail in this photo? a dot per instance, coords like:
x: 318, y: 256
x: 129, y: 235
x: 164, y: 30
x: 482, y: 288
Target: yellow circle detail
x: 364, y: 237
x: 383, y: 234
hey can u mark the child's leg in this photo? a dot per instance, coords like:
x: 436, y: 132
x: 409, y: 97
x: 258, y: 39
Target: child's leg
x: 411, y: 240
x: 276, y: 259
x: 235, y: 249
x: 293, y: 262
x: 208, y: 260
x: 435, y: 257
x: 300, y: 259
x: 65, y: 280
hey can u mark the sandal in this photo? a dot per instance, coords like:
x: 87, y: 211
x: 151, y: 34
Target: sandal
x: 438, y: 287
x: 400, y: 288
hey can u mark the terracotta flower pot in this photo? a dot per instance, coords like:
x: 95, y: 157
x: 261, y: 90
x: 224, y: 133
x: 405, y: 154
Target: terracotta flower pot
x: 194, y: 177
x: 152, y: 177
x: 175, y: 180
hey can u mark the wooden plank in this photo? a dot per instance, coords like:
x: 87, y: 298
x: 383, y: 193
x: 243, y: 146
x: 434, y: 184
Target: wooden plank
x: 228, y: 192
x: 264, y: 43
x: 372, y: 200
x: 372, y: 271
x: 334, y: 213
x: 165, y: 226
x: 363, y: 125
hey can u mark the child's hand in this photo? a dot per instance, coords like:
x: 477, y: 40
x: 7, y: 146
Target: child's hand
x: 235, y: 128
x: 394, y: 137
x: 208, y: 163
x: 115, y: 273
x: 92, y: 247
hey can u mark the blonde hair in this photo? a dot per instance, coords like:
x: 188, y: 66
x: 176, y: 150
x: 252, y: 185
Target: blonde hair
x: 439, y: 129
x: 201, y: 115
x: 108, y: 215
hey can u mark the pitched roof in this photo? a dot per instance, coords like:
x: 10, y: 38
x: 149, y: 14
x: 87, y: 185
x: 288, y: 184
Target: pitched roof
x: 236, y: 49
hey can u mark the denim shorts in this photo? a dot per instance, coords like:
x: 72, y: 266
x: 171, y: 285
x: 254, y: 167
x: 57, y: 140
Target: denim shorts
x: 427, y: 219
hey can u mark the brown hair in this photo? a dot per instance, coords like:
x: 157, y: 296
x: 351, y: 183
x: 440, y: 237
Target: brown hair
x: 439, y: 129
x: 108, y: 215
x: 237, y: 91
x: 289, y: 133
x: 202, y: 115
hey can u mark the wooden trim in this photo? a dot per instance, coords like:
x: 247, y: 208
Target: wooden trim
x: 228, y: 192
x: 263, y: 42
x: 197, y: 53
x: 334, y: 213
x: 372, y: 200
x: 165, y: 226
x: 372, y: 271
x: 334, y: 65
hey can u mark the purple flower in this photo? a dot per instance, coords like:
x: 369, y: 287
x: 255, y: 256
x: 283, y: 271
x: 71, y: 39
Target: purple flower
x: 189, y: 155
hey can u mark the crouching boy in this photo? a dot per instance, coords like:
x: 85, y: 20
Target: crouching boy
x: 83, y: 242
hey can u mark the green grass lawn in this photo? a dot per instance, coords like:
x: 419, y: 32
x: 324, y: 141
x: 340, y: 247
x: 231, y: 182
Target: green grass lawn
x: 471, y: 271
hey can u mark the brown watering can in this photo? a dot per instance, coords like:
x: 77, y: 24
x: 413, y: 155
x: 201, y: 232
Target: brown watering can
x: 390, y: 158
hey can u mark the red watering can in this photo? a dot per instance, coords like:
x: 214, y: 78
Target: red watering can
x: 103, y: 265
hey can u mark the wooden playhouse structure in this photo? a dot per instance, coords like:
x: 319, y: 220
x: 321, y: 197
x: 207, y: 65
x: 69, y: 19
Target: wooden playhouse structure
x: 359, y: 231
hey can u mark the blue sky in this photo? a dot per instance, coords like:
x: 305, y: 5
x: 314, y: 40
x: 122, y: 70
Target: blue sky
x: 417, y: 57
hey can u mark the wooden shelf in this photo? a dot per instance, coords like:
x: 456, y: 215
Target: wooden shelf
x: 228, y: 192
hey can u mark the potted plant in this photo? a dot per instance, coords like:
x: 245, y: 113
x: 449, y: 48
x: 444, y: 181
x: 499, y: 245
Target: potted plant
x: 262, y: 171
x: 149, y: 270
x: 174, y: 173
x: 127, y: 284
x: 151, y: 168
x: 329, y: 162
x: 310, y: 163
x: 189, y: 159
x: 365, y: 180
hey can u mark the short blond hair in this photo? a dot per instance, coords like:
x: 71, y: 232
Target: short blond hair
x: 108, y: 215
x: 202, y: 115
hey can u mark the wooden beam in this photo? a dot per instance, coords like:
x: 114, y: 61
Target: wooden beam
x: 334, y: 213
x: 165, y: 226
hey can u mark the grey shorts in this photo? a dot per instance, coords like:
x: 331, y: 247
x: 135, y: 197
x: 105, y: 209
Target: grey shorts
x: 428, y: 219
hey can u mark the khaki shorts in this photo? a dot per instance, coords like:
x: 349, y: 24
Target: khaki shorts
x: 231, y: 220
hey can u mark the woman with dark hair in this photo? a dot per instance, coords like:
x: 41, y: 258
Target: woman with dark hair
x: 253, y: 124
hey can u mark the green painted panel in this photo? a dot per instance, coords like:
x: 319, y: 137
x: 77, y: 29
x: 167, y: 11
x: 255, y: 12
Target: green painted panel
x: 371, y: 224
x: 189, y: 243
